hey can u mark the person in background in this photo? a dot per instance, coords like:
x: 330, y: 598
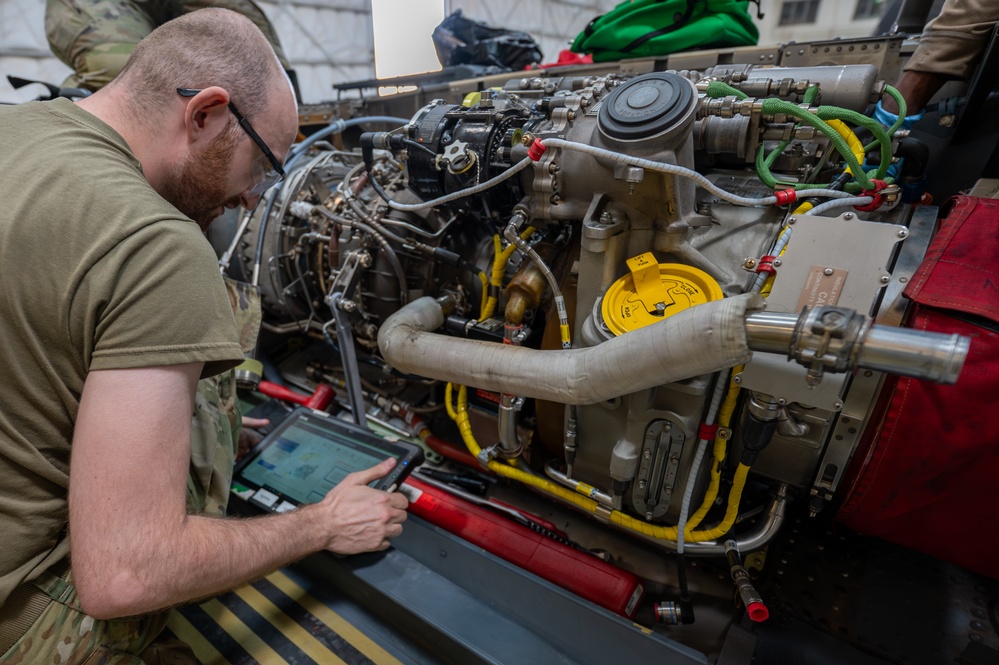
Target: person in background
x: 96, y: 37
x: 948, y: 50
x: 116, y: 311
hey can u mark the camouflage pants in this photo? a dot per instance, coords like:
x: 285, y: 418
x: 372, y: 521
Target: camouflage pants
x: 64, y: 634
x: 96, y: 37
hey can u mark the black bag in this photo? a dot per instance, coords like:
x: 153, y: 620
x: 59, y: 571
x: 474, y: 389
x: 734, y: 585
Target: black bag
x: 462, y: 41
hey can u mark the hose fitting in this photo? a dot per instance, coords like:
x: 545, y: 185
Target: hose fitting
x: 750, y: 597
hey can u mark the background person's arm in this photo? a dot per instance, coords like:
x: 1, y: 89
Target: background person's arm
x: 948, y: 49
x: 134, y: 548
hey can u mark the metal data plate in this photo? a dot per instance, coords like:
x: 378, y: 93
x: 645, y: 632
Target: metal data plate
x: 829, y: 261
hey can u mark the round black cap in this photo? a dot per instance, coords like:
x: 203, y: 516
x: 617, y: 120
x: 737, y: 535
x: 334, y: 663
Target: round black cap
x: 646, y: 105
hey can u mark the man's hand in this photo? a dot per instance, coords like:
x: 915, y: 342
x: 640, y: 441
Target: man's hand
x: 360, y: 518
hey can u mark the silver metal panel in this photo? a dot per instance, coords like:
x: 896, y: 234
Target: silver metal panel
x: 866, y: 386
x: 860, y: 251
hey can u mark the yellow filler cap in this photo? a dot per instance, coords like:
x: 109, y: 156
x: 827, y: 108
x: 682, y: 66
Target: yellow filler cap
x: 652, y: 291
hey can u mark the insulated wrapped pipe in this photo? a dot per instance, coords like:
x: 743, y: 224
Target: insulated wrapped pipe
x: 697, y: 341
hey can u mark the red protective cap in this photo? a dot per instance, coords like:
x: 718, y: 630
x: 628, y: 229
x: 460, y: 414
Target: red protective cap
x: 785, y: 196
x: 536, y: 150
x: 758, y: 612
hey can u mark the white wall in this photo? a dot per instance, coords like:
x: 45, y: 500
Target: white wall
x: 834, y: 19
x: 24, y: 51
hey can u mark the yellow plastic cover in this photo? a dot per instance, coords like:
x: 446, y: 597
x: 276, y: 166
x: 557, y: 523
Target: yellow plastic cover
x: 651, y: 291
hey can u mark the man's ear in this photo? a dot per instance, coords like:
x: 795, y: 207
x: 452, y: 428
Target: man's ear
x: 206, y: 114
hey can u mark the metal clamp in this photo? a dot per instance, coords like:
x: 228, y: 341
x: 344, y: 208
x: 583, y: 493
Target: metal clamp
x: 827, y: 338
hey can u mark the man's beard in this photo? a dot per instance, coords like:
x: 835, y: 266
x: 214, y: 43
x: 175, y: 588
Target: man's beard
x: 200, y: 187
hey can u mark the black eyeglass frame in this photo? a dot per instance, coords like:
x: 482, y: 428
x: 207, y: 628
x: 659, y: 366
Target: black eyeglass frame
x: 248, y: 128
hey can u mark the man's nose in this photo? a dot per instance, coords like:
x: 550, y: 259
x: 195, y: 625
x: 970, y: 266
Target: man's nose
x: 248, y: 200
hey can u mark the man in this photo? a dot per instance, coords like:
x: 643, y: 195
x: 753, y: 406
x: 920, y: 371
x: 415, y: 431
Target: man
x: 111, y: 309
x: 948, y: 50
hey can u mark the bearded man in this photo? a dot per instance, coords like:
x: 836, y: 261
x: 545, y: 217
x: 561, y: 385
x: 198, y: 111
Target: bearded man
x: 111, y: 309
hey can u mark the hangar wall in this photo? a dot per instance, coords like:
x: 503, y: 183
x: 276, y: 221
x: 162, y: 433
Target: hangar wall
x: 327, y: 41
x: 330, y: 41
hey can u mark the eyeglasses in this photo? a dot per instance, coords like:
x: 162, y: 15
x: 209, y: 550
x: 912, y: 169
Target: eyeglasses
x: 262, y: 180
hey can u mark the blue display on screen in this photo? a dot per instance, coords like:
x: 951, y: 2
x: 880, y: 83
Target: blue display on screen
x: 309, y: 459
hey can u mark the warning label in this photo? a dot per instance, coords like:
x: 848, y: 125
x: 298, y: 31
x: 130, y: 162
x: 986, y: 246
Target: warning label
x: 822, y: 287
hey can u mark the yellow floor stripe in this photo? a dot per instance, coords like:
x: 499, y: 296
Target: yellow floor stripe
x: 334, y: 621
x: 203, y: 649
x: 301, y: 638
x: 240, y: 632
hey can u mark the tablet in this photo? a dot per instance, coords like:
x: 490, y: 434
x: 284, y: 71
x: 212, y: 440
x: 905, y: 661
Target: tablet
x: 309, y: 453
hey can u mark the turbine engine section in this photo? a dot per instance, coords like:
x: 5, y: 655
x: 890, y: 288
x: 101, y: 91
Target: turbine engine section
x: 324, y: 233
x: 628, y: 229
x: 454, y: 147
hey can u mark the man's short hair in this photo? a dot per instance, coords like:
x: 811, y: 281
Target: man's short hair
x: 208, y: 47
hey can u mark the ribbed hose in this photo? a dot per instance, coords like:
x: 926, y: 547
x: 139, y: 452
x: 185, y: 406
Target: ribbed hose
x: 697, y: 341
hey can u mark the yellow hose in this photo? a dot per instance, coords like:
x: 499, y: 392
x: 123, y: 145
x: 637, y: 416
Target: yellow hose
x: 718, y: 452
x: 490, y: 302
x: 448, y: 403
x: 856, y: 147
x: 500, y: 258
x: 589, y: 505
x: 485, y: 293
x: 507, y: 471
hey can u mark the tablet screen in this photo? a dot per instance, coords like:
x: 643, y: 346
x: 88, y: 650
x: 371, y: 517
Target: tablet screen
x: 305, y: 457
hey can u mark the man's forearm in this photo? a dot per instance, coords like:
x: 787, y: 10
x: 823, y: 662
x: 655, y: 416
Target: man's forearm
x: 199, y: 558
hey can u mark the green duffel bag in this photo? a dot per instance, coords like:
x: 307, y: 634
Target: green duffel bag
x: 644, y: 28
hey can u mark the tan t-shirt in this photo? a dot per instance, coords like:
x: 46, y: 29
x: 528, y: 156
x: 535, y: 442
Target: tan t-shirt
x: 96, y: 272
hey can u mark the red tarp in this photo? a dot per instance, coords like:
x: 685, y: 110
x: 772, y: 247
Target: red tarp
x: 930, y: 480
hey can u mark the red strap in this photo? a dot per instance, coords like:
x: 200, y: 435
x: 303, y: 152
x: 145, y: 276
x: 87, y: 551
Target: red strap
x: 707, y: 432
x: 875, y: 193
x: 766, y: 264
